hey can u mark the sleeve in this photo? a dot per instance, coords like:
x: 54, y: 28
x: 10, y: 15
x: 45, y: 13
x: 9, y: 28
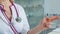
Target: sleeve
x: 26, y: 26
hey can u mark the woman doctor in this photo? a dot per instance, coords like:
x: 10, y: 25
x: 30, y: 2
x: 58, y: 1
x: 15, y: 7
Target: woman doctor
x: 13, y: 20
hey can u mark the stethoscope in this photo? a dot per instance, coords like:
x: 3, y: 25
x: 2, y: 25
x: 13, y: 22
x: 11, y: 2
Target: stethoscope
x: 17, y: 19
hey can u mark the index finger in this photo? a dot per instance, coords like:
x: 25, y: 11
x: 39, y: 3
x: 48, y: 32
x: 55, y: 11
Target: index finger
x: 53, y: 18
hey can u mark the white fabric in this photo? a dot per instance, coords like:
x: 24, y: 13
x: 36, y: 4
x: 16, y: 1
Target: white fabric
x: 22, y: 27
x: 56, y: 31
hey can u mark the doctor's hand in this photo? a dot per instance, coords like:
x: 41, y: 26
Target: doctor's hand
x: 45, y: 24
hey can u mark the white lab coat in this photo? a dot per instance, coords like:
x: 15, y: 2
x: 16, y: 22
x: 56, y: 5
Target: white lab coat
x: 22, y: 27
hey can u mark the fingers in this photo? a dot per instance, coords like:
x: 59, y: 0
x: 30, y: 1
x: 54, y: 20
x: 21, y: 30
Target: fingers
x: 46, y: 21
x: 52, y: 18
x: 46, y: 25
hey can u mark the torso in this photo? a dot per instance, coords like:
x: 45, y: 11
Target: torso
x: 6, y: 7
x: 8, y: 13
x: 5, y: 29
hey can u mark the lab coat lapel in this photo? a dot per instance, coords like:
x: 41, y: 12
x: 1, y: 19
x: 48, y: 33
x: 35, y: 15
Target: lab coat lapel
x: 13, y: 14
x: 3, y: 17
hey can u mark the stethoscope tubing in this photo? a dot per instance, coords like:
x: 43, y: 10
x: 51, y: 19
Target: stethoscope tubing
x: 10, y: 24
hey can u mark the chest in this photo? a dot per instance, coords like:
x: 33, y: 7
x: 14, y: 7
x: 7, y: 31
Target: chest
x: 4, y: 24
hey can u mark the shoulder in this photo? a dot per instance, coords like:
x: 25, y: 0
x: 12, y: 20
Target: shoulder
x: 20, y: 9
x: 18, y: 6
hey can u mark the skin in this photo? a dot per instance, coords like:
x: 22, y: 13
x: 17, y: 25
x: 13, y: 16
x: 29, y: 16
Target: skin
x: 43, y: 25
x: 6, y: 4
x: 0, y: 1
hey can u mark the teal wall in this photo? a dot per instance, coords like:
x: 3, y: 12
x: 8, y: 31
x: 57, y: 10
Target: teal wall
x: 34, y: 10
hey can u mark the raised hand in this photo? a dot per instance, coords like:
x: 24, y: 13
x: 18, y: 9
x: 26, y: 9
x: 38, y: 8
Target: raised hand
x: 46, y: 22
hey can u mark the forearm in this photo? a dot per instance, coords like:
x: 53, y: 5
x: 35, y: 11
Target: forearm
x: 38, y: 29
x: 42, y: 26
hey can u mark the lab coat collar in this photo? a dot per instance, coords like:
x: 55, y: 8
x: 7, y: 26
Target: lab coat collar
x: 13, y: 13
x: 1, y: 6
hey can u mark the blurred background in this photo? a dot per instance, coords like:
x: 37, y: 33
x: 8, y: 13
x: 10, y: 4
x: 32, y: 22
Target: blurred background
x: 34, y: 11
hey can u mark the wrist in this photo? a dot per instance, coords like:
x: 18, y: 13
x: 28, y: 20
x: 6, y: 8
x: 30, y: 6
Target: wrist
x: 41, y: 27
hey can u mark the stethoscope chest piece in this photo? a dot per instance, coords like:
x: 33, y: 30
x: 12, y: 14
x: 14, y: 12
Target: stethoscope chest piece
x: 18, y: 19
